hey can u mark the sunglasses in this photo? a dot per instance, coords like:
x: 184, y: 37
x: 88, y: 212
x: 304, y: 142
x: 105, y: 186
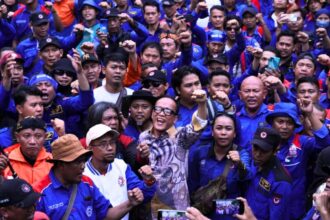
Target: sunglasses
x: 232, y: 28
x: 153, y: 84
x: 62, y: 72
x: 167, y: 111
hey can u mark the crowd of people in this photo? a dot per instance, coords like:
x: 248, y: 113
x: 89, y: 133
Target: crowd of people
x: 116, y: 109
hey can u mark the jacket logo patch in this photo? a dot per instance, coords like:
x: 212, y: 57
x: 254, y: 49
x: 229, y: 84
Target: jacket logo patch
x: 121, y: 181
x: 57, y: 110
x: 49, y: 135
x: 264, y: 184
x: 89, y: 211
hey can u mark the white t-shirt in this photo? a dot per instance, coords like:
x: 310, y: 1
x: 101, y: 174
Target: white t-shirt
x: 102, y: 95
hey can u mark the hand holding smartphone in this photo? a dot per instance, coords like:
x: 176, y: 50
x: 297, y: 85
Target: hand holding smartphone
x: 228, y: 206
x: 274, y: 63
x: 167, y: 214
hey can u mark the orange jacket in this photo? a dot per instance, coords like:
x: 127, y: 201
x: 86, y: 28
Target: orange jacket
x: 133, y: 74
x: 24, y: 170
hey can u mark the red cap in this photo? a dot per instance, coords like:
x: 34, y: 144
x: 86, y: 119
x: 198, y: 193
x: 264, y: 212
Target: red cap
x: 4, y: 59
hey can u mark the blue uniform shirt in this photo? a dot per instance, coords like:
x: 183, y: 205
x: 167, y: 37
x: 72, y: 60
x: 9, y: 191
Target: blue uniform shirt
x: 89, y: 202
x: 249, y: 124
x: 184, y: 115
x: 7, y: 33
x: 269, y: 191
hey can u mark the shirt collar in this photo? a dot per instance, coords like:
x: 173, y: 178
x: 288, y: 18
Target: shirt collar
x: 263, y: 109
x: 169, y: 133
x: 94, y: 170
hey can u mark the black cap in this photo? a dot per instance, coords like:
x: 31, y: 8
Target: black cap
x: 49, y: 41
x: 250, y: 9
x: 156, y: 76
x: 266, y: 138
x: 65, y: 65
x: 141, y: 94
x: 112, y: 12
x: 221, y: 58
x: 17, y: 192
x: 168, y: 2
x: 306, y: 55
x: 89, y: 58
x: 31, y: 122
x: 38, y: 18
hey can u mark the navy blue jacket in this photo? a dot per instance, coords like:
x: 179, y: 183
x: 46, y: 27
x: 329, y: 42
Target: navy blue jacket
x: 269, y: 191
x: 294, y: 155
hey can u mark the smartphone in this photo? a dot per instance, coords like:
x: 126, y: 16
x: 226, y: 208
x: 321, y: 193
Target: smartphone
x: 274, y: 63
x: 168, y: 214
x: 228, y: 206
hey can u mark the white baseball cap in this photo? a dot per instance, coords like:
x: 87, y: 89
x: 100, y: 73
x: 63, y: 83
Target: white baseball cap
x: 98, y: 131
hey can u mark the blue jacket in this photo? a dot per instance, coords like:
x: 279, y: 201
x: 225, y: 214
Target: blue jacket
x: 28, y: 48
x: 271, y: 26
x: 234, y: 54
x: 204, y: 167
x: 324, y: 101
x: 269, y: 191
x: 131, y: 129
x: 21, y: 19
x: 89, y: 202
x: 184, y: 59
x: 63, y: 108
x: 294, y: 155
x: 184, y: 115
x: 7, y: 33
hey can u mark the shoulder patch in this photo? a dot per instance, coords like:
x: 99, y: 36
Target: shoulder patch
x: 277, y: 199
x: 264, y: 184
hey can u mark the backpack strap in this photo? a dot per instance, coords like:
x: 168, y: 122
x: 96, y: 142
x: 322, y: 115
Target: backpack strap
x: 71, y: 202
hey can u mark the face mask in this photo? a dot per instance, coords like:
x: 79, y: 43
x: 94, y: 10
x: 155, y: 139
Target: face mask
x: 322, y: 23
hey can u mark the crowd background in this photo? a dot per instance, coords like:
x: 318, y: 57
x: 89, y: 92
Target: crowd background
x: 115, y: 109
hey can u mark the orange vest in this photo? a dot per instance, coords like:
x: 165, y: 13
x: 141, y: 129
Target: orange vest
x: 24, y: 170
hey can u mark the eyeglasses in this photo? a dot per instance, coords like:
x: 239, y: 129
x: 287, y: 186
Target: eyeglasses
x: 167, y: 111
x: 153, y: 84
x: 104, y: 144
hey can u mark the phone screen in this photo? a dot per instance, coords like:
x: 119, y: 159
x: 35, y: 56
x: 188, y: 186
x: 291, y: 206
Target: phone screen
x: 228, y: 207
x: 167, y: 214
x: 274, y: 63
